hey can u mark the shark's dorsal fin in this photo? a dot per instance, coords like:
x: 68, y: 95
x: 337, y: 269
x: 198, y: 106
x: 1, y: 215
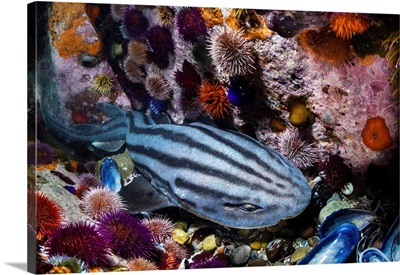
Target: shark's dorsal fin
x: 110, y: 110
x: 140, y: 196
x: 109, y: 146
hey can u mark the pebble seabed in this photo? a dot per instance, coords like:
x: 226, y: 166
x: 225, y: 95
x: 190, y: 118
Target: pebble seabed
x: 305, y: 107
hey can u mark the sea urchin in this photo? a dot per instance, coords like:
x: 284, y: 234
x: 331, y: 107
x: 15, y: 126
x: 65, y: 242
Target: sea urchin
x: 346, y: 24
x: 160, y: 228
x: 99, y: 201
x: 80, y: 239
x: 302, y: 153
x: 127, y: 236
x: 231, y: 51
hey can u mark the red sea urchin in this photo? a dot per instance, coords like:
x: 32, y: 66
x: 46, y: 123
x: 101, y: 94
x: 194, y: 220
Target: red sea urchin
x: 44, y: 215
x: 231, y: 52
x: 128, y: 237
x: 140, y: 264
x: 335, y: 172
x: 213, y: 98
x: 99, y: 201
x: 302, y: 153
x: 80, y: 239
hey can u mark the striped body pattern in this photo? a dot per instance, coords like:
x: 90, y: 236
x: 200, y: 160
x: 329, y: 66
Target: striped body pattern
x: 219, y: 175
x: 222, y: 176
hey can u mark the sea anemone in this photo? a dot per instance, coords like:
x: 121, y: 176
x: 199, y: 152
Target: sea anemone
x: 297, y: 149
x: 241, y: 92
x: 157, y: 86
x: 324, y: 45
x: 231, y: 52
x: 85, y: 182
x: 300, y: 115
x: 191, y: 25
x: 212, y: 97
x: 187, y: 78
x: 103, y: 83
x: 139, y: 264
x: 160, y: 40
x: 345, y: 24
x: 40, y: 153
x: 335, y: 172
x: 135, y: 24
x: 132, y: 70
x: 138, y: 51
x: 160, y: 227
x: 44, y: 214
x: 66, y: 264
x: 98, y: 201
x: 118, y: 11
x: 166, y: 15
x: 80, y: 239
x: 376, y: 135
x: 128, y: 237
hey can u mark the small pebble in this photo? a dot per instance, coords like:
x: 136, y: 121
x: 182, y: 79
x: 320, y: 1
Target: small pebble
x: 313, y: 241
x: 182, y: 225
x: 299, y: 253
x: 330, y: 208
x: 307, y: 232
x: 257, y: 262
x: 180, y: 236
x: 255, y: 245
x: 209, y: 243
x: 278, y: 249
x: 240, y: 255
x: 244, y: 232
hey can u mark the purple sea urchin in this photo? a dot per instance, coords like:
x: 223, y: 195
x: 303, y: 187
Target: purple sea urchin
x: 82, y: 240
x: 40, y: 153
x: 133, y: 71
x: 191, y: 25
x: 158, y: 87
x: 135, y: 24
x: 208, y: 260
x: 160, y: 228
x: 231, y: 51
x: 160, y: 40
x: 118, y: 11
x: 298, y: 150
x: 99, y: 201
x: 128, y: 237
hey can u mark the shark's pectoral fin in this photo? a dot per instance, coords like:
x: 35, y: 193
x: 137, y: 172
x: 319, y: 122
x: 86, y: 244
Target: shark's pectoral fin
x: 140, y: 196
x: 109, y: 146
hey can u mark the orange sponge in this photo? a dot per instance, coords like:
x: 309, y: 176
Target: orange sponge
x: 376, y: 134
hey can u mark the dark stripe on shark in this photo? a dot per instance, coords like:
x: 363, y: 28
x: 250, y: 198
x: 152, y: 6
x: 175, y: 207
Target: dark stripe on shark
x: 176, y: 163
x: 168, y: 134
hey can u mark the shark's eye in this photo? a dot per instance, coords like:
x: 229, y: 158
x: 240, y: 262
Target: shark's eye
x: 247, y: 207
